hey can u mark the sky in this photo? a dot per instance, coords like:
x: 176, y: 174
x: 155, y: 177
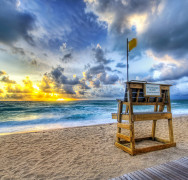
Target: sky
x: 55, y: 50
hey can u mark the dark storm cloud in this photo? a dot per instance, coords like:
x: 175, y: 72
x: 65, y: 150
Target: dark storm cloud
x: 81, y: 92
x: 97, y: 69
x: 120, y: 65
x: 15, y: 24
x: 57, y: 72
x: 119, y: 27
x: 97, y: 75
x: 167, y: 33
x: 108, y: 79
x: 68, y: 89
x: 60, y: 78
x: 100, y: 56
x: 67, y: 84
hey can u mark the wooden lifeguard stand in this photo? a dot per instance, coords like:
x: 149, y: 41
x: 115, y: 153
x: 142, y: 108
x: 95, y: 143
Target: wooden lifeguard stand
x: 143, y: 93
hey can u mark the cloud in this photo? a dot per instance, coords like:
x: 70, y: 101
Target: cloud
x: 68, y: 89
x: 108, y: 92
x: 97, y: 75
x: 100, y: 55
x: 18, y: 50
x: 3, y: 50
x: 63, y: 47
x: 124, y: 18
x: 120, y: 65
x: 151, y: 21
x: 167, y: 32
x: 66, y: 58
x: 60, y: 78
x: 164, y: 72
x: 46, y: 84
x: 5, y: 79
x: 15, y: 24
x: 108, y: 79
x: 67, y: 84
x: 2, y: 73
x: 34, y: 62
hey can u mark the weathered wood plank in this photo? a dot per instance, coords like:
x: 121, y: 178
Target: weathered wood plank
x: 154, y: 148
x: 136, y: 86
x: 124, y: 148
x: 177, y: 169
x: 123, y: 116
x: 124, y: 126
x: 161, y: 140
x: 148, y: 103
x: 137, y: 96
x: 143, y: 138
x: 164, y: 87
x: 122, y: 136
x: 155, y: 116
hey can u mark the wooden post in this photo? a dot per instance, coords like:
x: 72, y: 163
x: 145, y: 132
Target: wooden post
x: 168, y: 104
x: 170, y: 127
x: 127, y: 109
x: 154, y: 124
x: 131, y: 122
x: 120, y: 105
x: 171, y: 136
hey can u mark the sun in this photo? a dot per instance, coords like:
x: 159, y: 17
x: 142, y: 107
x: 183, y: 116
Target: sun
x: 61, y: 99
x: 36, y: 87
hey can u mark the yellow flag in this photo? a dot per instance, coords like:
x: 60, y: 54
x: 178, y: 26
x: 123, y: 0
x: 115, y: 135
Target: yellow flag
x: 132, y: 44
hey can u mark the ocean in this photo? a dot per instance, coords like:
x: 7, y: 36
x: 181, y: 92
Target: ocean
x: 36, y: 116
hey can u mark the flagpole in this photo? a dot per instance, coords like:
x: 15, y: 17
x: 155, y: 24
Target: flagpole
x: 127, y: 61
x: 125, y: 96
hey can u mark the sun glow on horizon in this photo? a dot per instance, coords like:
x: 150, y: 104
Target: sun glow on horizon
x: 27, y: 90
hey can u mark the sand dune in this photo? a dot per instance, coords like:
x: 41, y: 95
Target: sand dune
x: 83, y: 152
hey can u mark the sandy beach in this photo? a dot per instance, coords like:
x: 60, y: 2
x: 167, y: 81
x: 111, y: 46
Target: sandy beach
x: 84, y: 152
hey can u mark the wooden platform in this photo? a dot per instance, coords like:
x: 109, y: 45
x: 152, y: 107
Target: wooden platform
x: 173, y: 170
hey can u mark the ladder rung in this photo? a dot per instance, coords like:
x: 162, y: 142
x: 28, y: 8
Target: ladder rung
x: 126, y: 138
x: 124, y: 148
x: 124, y: 126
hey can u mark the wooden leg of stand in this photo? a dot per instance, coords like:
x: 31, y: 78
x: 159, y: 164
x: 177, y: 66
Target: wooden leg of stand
x: 120, y: 105
x: 154, y: 124
x: 127, y: 109
x: 132, y: 142
x: 153, y: 129
x: 171, y: 136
